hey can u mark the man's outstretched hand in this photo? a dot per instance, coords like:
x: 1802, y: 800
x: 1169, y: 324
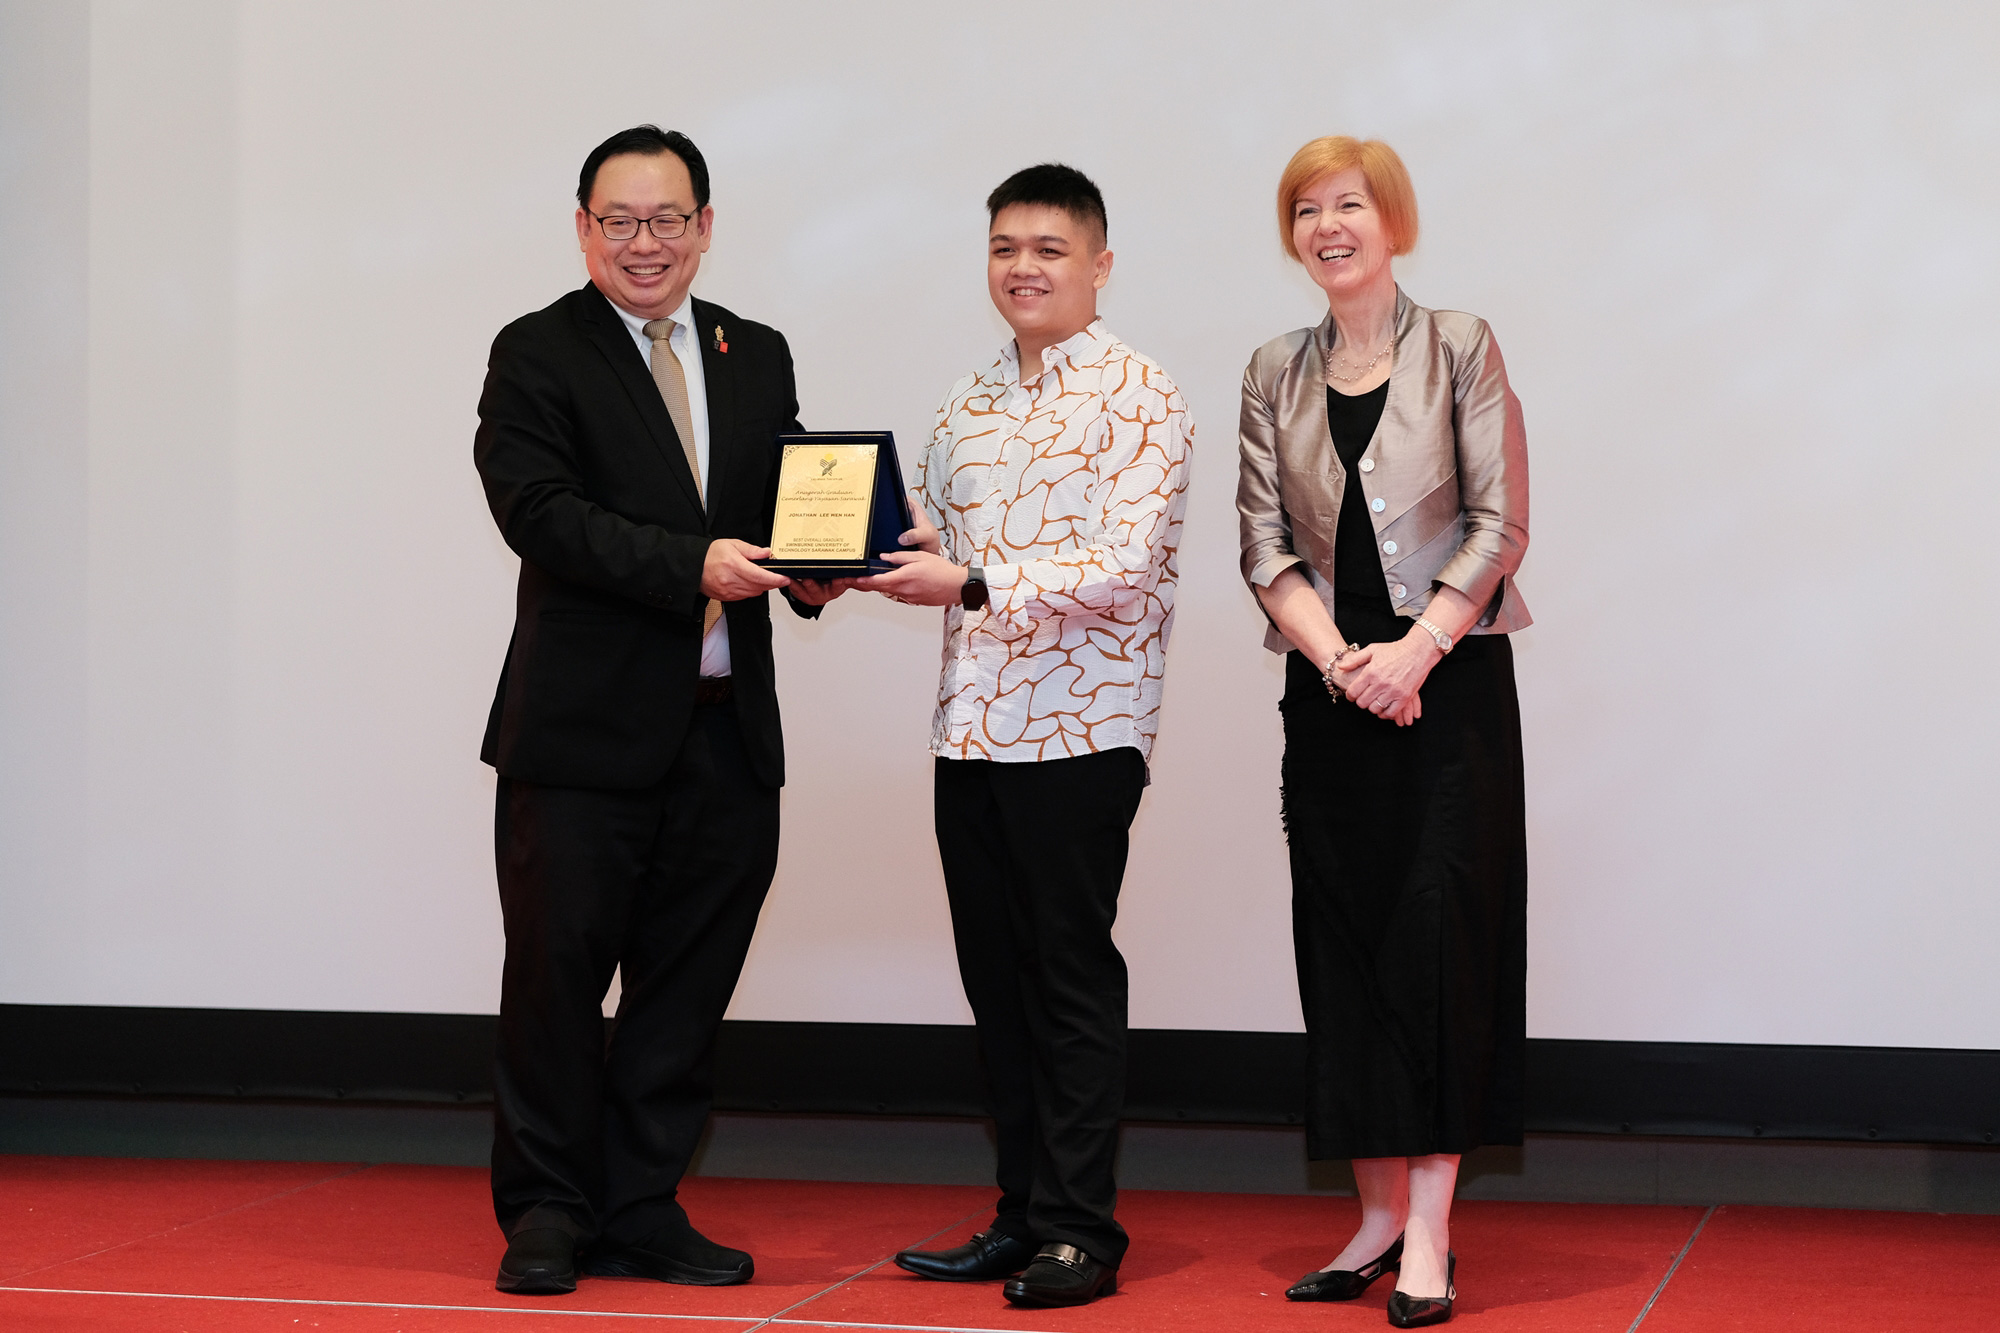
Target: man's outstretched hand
x: 728, y: 576
x: 811, y: 592
x: 922, y: 577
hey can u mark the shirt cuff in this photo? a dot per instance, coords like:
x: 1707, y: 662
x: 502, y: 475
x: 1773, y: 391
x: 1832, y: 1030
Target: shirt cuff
x: 1007, y: 595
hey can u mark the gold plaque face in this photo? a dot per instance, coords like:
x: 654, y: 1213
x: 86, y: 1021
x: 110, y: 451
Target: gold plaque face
x: 826, y: 493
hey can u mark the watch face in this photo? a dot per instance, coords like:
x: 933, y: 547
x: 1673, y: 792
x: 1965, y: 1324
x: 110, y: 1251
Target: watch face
x: 973, y: 595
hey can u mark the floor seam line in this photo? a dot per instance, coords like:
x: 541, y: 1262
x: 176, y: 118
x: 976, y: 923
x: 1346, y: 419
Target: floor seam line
x: 772, y: 1319
x: 1672, y: 1268
x: 385, y: 1305
x: 765, y: 1321
x: 196, y: 1221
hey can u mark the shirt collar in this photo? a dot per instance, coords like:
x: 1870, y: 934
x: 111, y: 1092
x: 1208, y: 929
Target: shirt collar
x: 683, y: 320
x: 1083, y: 348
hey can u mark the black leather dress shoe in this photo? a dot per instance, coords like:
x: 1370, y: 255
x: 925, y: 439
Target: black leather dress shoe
x: 1406, y: 1311
x: 1062, y: 1275
x: 677, y: 1254
x: 1343, y: 1284
x: 540, y: 1261
x: 987, y: 1257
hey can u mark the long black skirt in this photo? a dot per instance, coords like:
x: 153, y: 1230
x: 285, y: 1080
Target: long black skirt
x: 1409, y: 904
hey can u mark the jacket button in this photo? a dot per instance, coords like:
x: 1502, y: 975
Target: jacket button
x: 1367, y: 465
x: 1376, y: 505
x: 1389, y: 548
x: 1400, y: 590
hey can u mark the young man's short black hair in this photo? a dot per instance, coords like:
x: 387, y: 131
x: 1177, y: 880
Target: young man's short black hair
x: 650, y: 141
x: 1052, y: 185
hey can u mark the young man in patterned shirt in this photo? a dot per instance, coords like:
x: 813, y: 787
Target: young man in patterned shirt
x: 1052, y: 492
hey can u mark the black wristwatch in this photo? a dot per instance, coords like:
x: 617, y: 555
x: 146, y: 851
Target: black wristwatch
x: 973, y: 595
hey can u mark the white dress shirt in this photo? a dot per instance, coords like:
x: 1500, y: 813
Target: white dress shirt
x: 686, y: 344
x: 1069, y: 494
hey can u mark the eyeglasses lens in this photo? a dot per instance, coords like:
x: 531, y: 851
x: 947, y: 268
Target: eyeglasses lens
x: 667, y: 226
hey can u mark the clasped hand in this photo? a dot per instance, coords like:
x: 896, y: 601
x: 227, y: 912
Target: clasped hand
x: 1384, y: 678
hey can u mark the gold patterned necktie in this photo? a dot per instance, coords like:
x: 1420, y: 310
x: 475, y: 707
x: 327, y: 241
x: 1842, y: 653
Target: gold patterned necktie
x: 672, y: 380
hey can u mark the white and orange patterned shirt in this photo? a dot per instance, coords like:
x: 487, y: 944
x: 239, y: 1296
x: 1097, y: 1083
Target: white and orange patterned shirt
x: 1069, y: 495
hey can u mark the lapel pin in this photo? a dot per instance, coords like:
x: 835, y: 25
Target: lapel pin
x: 720, y: 345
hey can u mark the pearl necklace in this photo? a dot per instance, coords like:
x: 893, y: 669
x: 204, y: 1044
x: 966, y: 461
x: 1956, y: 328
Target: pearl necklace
x: 1362, y: 373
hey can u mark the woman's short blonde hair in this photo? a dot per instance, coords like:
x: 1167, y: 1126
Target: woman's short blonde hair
x: 1388, y: 181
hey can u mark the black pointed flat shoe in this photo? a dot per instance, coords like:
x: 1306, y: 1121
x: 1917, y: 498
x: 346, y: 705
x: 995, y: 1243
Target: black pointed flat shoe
x: 1407, y: 1311
x: 1341, y: 1284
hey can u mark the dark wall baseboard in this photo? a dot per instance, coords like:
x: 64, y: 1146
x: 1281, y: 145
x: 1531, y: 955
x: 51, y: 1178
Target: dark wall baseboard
x: 1895, y: 1095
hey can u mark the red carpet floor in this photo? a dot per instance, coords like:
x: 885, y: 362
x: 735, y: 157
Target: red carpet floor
x: 115, y: 1245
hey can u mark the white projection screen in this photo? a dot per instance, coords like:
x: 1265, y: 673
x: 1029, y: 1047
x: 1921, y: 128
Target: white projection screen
x: 1741, y: 257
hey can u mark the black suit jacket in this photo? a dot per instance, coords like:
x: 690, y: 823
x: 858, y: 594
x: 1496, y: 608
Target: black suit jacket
x: 586, y: 477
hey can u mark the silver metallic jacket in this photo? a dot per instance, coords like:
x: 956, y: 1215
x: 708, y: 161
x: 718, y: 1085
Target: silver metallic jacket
x: 1445, y: 476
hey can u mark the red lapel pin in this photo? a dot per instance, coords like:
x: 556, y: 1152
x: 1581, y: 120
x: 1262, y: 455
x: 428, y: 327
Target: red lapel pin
x: 720, y: 345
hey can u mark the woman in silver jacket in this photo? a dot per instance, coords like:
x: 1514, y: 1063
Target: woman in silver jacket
x: 1383, y: 500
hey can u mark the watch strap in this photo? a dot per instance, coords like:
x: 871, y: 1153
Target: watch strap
x: 972, y: 593
x: 1439, y: 637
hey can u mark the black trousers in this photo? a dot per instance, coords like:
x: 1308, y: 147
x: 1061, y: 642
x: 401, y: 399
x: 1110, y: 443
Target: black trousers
x: 664, y: 884
x: 1034, y: 854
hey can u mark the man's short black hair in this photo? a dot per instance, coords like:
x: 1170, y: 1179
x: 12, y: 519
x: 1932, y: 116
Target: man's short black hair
x: 651, y: 141
x: 1052, y: 185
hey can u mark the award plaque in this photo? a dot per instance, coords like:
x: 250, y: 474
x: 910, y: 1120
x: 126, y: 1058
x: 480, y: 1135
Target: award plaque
x: 837, y: 504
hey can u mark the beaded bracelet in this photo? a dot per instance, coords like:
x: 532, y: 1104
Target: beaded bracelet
x: 1326, y: 672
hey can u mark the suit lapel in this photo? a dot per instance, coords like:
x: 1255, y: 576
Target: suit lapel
x: 718, y: 377
x: 601, y: 324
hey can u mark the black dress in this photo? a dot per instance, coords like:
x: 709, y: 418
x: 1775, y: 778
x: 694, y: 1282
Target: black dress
x: 1409, y: 875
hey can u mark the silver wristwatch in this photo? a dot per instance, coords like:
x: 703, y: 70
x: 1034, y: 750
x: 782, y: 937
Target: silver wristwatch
x: 1438, y: 636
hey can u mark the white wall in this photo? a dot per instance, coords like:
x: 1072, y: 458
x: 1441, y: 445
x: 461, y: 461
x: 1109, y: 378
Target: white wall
x: 1740, y: 257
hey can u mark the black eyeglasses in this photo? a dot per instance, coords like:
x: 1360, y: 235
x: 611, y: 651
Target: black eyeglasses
x: 664, y: 226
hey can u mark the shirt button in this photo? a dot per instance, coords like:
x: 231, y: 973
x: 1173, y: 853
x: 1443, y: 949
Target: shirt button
x: 1400, y: 590
x: 1375, y: 505
x: 1367, y: 465
x: 1389, y: 548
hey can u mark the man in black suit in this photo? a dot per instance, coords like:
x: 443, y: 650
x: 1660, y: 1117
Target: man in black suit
x: 625, y: 446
